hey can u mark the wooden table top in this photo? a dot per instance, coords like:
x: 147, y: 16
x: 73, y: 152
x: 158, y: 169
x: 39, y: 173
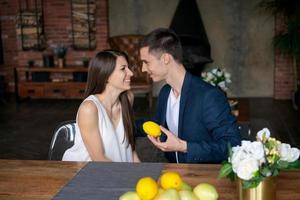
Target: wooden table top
x: 30, y: 180
x: 24, y: 179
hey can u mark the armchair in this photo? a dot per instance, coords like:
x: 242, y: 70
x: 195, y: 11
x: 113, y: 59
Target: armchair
x: 140, y: 82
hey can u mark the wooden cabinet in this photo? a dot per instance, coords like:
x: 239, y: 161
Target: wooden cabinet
x: 38, y: 82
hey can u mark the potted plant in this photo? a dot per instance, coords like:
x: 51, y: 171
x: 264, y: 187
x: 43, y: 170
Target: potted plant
x: 48, y: 58
x: 217, y: 77
x: 85, y: 61
x: 60, y: 52
x: 288, y: 41
x: 256, y: 164
x: 30, y: 63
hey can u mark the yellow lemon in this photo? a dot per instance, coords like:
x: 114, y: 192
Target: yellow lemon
x: 152, y: 128
x: 205, y: 191
x: 170, y: 180
x: 129, y: 196
x: 185, y: 186
x: 146, y: 188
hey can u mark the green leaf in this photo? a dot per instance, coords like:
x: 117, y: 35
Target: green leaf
x: 231, y: 176
x: 229, y: 150
x: 252, y: 183
x: 294, y: 165
x: 282, y: 164
x: 225, y: 170
x: 275, y: 172
x: 266, y: 171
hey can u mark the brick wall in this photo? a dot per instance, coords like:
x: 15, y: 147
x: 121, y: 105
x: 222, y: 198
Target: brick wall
x: 283, y: 69
x: 57, y: 20
x: 57, y: 26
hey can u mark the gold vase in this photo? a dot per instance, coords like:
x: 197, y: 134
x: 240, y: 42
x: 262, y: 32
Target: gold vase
x: 266, y: 190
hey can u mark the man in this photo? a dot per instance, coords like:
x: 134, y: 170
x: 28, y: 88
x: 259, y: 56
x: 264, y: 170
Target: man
x: 195, y: 117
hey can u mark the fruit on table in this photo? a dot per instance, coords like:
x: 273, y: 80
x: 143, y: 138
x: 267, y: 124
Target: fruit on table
x: 152, y: 128
x: 129, y: 196
x: 187, y: 195
x: 205, y: 191
x: 185, y: 186
x: 160, y: 190
x: 170, y: 187
x: 169, y: 194
x: 146, y: 188
x: 170, y: 180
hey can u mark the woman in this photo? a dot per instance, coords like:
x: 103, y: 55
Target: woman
x: 105, y: 117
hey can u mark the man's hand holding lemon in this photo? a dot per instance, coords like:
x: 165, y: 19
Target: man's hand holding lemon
x: 172, y: 143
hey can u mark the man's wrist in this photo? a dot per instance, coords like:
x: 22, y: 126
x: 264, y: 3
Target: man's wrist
x: 183, y: 146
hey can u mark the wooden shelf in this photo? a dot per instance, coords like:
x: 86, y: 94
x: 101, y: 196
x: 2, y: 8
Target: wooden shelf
x: 52, y: 69
x: 40, y: 82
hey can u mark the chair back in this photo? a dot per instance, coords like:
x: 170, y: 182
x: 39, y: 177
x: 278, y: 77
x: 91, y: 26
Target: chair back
x: 130, y: 45
x: 245, y: 131
x: 63, y: 139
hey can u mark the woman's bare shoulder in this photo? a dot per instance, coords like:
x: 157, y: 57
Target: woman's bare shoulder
x: 87, y: 108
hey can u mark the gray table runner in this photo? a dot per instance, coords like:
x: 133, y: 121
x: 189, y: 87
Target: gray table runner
x: 107, y: 181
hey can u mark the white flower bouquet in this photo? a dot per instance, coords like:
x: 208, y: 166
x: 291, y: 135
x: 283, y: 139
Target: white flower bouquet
x: 254, y: 161
x: 217, y: 77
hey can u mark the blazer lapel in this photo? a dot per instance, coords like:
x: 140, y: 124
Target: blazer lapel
x: 164, y: 106
x: 163, y: 120
x: 183, y: 100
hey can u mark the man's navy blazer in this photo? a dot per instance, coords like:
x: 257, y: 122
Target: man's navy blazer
x: 205, y: 122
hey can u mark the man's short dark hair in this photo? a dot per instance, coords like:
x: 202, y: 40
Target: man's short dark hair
x: 163, y: 40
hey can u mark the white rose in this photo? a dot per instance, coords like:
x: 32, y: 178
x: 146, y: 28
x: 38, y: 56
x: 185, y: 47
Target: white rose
x: 222, y: 85
x: 263, y: 134
x: 257, y: 151
x: 245, y: 143
x: 284, y: 151
x: 214, y: 70
x: 247, y: 168
x: 294, y: 154
x: 227, y: 77
x: 209, y: 76
x: 219, y: 73
x: 238, y: 154
x: 287, y: 153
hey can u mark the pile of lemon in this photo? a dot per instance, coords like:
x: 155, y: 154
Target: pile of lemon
x: 169, y: 187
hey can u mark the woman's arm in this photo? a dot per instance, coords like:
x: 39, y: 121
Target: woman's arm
x: 88, y: 125
x: 135, y: 157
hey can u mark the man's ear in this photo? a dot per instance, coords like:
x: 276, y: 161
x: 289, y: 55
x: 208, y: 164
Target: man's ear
x: 166, y: 58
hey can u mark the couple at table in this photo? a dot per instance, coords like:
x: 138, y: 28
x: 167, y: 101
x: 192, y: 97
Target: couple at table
x: 194, y: 117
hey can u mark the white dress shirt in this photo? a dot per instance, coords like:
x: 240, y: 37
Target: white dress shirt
x: 173, y: 115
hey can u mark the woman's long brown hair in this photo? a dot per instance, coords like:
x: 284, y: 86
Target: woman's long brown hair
x: 100, y: 69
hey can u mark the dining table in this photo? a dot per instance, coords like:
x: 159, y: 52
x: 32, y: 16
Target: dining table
x: 44, y: 179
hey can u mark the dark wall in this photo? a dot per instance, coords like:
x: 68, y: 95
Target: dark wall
x: 240, y: 36
x: 1, y: 47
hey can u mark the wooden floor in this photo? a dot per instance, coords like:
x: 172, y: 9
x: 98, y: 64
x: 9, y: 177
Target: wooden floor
x: 26, y: 128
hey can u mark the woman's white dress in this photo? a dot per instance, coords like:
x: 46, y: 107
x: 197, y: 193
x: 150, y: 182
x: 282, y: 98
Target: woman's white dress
x: 115, y: 147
